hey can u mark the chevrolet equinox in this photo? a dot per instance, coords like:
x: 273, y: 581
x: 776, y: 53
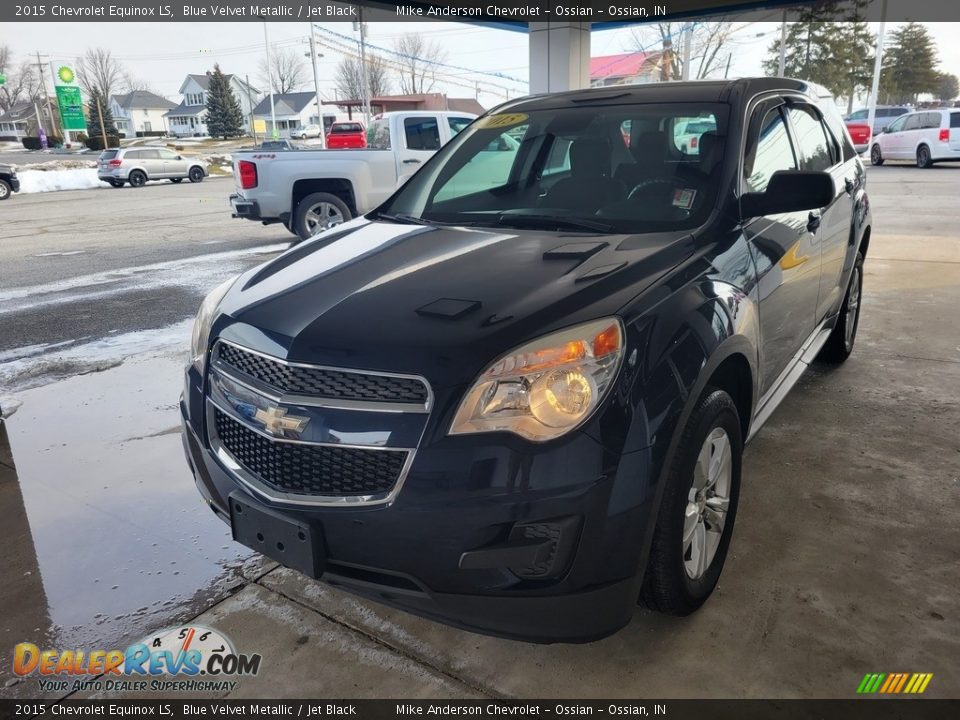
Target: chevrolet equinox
x: 514, y: 397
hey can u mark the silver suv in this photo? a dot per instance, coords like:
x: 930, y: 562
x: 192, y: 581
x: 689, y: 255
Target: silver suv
x: 137, y: 165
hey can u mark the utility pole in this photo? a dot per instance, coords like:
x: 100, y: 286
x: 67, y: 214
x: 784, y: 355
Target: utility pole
x: 273, y: 111
x: 365, y: 79
x: 253, y: 126
x: 782, y: 65
x: 316, y: 87
x: 877, y: 69
x: 687, y: 32
x: 103, y: 129
x: 726, y: 73
x: 43, y: 87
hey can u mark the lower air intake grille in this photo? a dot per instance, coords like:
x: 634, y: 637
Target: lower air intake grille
x: 310, y: 469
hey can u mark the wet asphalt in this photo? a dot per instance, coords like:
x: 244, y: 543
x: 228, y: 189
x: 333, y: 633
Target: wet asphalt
x: 843, y: 561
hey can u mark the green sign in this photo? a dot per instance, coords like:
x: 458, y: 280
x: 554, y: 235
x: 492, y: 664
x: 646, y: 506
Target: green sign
x: 3, y: 79
x: 71, y: 108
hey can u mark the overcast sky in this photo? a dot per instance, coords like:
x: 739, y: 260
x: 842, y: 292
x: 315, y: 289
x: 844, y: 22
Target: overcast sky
x: 163, y: 53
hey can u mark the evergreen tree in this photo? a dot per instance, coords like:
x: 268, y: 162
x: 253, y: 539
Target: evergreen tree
x: 948, y: 87
x: 96, y: 105
x: 224, y: 117
x: 910, y: 64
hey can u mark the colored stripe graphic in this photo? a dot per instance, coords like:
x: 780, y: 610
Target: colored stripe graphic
x: 894, y: 683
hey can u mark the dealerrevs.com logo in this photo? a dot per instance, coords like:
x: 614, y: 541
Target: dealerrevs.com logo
x: 188, y: 658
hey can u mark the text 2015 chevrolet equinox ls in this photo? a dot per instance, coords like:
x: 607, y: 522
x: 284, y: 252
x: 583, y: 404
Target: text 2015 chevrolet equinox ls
x: 514, y: 398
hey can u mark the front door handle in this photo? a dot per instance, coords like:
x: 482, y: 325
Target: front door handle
x: 813, y: 221
x: 411, y: 161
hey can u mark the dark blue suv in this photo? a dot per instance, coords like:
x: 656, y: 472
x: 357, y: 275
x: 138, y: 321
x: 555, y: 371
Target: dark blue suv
x: 514, y: 398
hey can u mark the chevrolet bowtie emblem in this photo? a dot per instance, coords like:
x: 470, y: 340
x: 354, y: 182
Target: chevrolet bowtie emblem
x: 276, y: 421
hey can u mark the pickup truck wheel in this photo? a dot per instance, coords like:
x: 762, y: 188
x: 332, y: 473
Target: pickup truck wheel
x: 317, y: 212
x: 4, y: 190
x: 696, y: 515
x: 196, y: 174
x: 840, y: 343
x: 137, y: 179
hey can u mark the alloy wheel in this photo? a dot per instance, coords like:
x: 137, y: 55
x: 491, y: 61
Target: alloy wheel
x: 707, y: 503
x: 853, y: 308
x: 322, y: 216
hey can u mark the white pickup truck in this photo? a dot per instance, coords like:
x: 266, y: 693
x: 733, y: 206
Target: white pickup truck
x: 310, y: 190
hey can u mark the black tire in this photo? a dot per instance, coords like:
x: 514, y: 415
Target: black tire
x: 116, y: 183
x: 5, y: 190
x: 876, y: 157
x: 923, y: 157
x: 176, y: 181
x: 137, y: 178
x: 303, y: 226
x: 840, y: 343
x: 667, y: 585
x: 195, y: 174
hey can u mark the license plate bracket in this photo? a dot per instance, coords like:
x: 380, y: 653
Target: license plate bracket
x: 294, y: 544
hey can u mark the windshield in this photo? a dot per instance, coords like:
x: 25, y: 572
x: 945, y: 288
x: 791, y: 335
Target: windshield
x: 608, y: 168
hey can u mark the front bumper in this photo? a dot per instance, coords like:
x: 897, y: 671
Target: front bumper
x: 411, y: 553
x: 14, y: 184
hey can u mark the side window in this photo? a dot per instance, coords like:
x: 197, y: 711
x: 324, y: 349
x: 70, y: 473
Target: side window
x: 167, y: 154
x: 457, y: 124
x: 955, y: 120
x: 378, y: 135
x: 816, y: 148
x: 558, y: 160
x: 859, y: 115
x: 896, y: 125
x: 771, y: 152
x: 912, y: 123
x: 150, y: 154
x: 422, y: 133
x: 931, y: 120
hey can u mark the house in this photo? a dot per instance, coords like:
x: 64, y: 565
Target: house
x: 189, y: 117
x: 140, y: 113
x: 17, y: 122
x: 419, y: 101
x: 626, y: 68
x: 292, y: 110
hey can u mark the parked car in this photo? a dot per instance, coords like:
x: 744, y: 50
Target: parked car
x: 9, y: 182
x: 350, y: 135
x: 516, y: 409
x: 687, y: 134
x: 860, y: 134
x: 883, y: 116
x: 307, y: 131
x: 926, y: 137
x: 313, y: 189
x: 138, y: 164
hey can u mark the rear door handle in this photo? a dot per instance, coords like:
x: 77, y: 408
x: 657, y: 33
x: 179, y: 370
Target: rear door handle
x: 813, y: 221
x: 411, y: 161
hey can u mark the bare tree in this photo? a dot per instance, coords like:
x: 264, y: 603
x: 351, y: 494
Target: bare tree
x: 349, y: 78
x: 99, y: 70
x: 131, y: 83
x: 287, y: 68
x: 419, y: 58
x: 707, y: 39
x: 22, y: 81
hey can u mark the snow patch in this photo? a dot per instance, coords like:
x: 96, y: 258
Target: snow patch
x: 37, y: 181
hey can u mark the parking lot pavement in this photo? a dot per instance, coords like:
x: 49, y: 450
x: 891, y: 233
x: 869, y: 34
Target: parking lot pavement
x: 843, y: 561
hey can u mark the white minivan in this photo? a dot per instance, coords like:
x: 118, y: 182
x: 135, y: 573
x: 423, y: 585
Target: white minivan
x: 926, y: 137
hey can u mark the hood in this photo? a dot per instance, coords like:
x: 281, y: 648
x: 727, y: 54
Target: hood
x: 438, y: 301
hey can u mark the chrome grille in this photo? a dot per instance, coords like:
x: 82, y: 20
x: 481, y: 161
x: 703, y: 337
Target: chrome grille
x: 323, y: 382
x: 310, y: 469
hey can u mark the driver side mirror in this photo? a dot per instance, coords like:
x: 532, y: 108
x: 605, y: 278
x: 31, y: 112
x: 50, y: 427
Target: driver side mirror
x: 179, y: 157
x: 789, y: 191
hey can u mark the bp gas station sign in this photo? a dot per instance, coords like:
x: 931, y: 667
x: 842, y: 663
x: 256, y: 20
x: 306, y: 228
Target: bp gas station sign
x: 69, y: 100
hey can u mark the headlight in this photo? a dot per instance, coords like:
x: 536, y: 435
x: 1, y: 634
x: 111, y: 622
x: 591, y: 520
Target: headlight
x: 201, y: 326
x: 547, y: 387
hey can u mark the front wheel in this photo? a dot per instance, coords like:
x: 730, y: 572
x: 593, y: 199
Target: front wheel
x: 5, y: 189
x: 196, y: 175
x: 876, y: 157
x: 317, y: 212
x: 840, y: 343
x: 699, y: 506
x: 923, y: 157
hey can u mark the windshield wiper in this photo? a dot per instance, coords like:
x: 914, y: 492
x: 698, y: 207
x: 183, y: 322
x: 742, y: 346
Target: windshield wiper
x: 548, y: 221
x: 403, y: 218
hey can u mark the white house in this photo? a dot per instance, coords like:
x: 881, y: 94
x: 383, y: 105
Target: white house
x: 292, y: 110
x: 189, y: 117
x: 140, y: 113
x: 16, y: 123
